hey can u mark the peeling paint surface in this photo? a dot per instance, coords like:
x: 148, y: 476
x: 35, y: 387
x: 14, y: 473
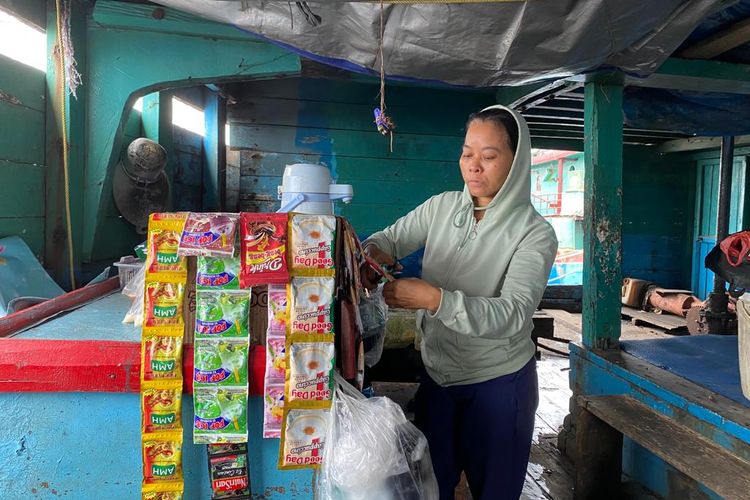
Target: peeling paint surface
x: 4, y: 96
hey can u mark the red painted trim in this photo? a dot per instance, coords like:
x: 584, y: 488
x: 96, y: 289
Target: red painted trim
x: 41, y: 365
x: 551, y: 155
x: 25, y: 318
x: 37, y: 365
x: 560, y: 173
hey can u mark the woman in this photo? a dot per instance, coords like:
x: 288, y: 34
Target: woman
x: 487, y: 258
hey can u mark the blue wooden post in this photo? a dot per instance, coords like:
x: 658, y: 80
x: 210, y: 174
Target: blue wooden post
x: 213, y: 145
x: 602, y: 240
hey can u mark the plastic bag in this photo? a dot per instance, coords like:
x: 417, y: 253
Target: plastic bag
x: 134, y: 289
x: 374, y: 313
x: 372, y: 451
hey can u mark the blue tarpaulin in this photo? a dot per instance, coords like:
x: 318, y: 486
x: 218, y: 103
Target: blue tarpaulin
x: 21, y: 275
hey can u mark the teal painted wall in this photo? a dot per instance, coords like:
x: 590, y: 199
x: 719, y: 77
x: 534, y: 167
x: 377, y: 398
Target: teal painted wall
x: 331, y: 122
x: 22, y: 155
x: 31, y: 11
x: 658, y: 201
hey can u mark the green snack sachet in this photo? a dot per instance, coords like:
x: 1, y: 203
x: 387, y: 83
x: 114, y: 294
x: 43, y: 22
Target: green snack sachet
x: 220, y: 416
x: 220, y: 363
x: 222, y: 314
x: 218, y: 273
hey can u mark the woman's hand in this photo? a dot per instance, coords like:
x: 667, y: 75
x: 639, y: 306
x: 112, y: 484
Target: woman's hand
x: 369, y: 277
x: 412, y: 293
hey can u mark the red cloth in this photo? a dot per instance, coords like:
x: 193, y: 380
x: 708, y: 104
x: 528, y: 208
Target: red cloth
x: 736, y: 247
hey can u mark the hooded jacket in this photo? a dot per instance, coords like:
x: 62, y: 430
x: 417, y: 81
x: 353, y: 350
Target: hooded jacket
x: 492, y: 274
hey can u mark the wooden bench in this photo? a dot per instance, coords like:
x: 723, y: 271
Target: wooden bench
x: 604, y: 420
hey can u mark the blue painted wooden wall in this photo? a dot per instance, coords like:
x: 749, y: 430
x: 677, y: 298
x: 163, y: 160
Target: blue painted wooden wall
x: 331, y: 122
x: 658, y: 199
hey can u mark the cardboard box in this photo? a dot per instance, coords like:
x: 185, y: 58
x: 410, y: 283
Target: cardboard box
x: 188, y: 306
x: 259, y: 315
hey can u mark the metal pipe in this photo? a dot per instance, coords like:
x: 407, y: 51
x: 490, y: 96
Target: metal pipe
x: 725, y: 199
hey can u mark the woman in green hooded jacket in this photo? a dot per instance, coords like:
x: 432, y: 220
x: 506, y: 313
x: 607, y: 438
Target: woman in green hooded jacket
x: 487, y: 257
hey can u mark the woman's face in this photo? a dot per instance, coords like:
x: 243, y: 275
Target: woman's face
x: 486, y: 160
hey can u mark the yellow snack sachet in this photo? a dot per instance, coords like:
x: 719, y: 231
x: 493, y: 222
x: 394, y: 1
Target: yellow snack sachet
x: 309, y: 371
x: 311, y: 248
x: 162, y: 261
x: 161, y: 407
x: 163, y: 307
x: 161, y: 357
x: 302, y: 438
x: 172, y: 490
x: 162, y: 457
x: 311, y: 305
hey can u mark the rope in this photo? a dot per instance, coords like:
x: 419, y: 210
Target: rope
x: 384, y: 123
x: 66, y: 146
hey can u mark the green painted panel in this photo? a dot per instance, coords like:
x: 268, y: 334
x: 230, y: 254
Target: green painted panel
x: 350, y: 169
x: 284, y: 139
x: 602, y: 274
x: 21, y: 84
x: 366, y: 218
x: 22, y: 190
x: 341, y: 91
x: 31, y: 229
x: 120, y: 236
x: 21, y: 134
x: 419, y: 117
x: 130, y: 15
x: 33, y: 11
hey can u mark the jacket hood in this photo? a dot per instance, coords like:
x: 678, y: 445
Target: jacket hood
x: 516, y: 190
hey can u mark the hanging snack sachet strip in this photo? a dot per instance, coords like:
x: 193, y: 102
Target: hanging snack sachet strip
x: 210, y: 234
x: 311, y: 246
x: 264, y: 249
x: 161, y: 359
x: 162, y: 261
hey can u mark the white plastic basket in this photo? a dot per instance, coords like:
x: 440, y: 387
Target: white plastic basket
x: 127, y: 268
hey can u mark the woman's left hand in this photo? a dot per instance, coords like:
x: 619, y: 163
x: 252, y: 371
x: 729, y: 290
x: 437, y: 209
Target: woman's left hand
x: 412, y: 293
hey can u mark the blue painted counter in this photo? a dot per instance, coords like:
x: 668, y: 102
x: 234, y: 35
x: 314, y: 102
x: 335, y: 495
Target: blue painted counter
x: 692, y: 380
x: 86, y: 445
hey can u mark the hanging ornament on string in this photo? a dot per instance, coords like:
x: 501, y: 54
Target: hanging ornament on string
x: 383, y: 122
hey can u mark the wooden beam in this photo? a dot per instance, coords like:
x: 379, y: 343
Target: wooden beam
x: 723, y: 41
x: 697, y: 76
x: 698, y: 143
x: 602, y: 276
x: 699, y: 458
x: 598, y: 458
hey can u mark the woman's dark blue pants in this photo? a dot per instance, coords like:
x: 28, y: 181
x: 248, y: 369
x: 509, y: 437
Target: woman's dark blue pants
x: 483, y: 429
